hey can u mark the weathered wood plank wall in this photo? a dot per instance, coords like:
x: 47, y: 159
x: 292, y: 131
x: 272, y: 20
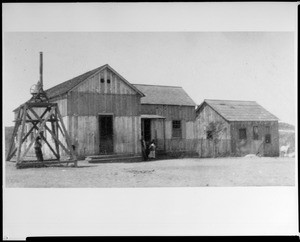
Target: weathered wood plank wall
x: 251, y: 146
x: 162, y: 129
x: 220, y: 146
x: 228, y: 141
x: 170, y: 112
x: 104, y: 93
x: 205, y: 117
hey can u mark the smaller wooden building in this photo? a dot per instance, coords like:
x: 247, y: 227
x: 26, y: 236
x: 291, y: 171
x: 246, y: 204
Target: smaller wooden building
x: 235, y: 128
x: 168, y: 117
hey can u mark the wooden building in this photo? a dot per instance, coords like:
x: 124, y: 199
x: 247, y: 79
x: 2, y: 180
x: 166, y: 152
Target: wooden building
x: 105, y: 114
x: 235, y: 128
x: 167, y: 116
x: 101, y: 111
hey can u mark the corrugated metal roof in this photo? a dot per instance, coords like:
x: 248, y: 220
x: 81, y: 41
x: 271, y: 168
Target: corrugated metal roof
x: 66, y: 86
x: 240, y: 110
x: 168, y: 95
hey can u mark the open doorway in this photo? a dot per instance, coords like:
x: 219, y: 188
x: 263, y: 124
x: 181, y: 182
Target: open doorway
x: 146, y: 129
x: 106, y: 134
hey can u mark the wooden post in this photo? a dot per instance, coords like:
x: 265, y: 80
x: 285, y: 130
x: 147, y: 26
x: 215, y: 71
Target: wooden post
x: 17, y: 125
x: 55, y: 131
x: 40, y: 128
x: 67, y: 137
x: 53, y: 135
x: 19, y: 148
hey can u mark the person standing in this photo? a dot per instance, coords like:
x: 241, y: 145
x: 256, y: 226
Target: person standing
x: 144, y: 148
x: 152, y: 148
x: 38, y: 149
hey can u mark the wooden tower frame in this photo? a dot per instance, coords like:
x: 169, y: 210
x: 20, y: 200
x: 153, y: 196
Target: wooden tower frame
x: 26, y: 113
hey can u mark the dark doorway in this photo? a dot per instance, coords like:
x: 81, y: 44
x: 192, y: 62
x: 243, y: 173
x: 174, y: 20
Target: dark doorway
x: 146, y: 129
x: 106, y: 145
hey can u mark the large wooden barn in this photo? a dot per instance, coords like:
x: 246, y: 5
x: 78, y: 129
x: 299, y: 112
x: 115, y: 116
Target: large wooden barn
x: 236, y: 128
x: 101, y: 111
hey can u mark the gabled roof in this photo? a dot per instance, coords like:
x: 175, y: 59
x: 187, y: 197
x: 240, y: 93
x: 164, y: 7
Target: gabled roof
x: 167, y: 95
x: 66, y: 86
x: 239, y: 110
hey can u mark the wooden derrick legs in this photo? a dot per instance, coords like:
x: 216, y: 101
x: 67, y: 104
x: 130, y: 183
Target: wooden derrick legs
x: 49, y: 113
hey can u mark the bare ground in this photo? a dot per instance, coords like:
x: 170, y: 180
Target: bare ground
x: 191, y: 172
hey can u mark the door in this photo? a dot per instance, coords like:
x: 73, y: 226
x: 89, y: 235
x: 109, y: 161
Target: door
x: 146, y: 129
x: 106, y: 145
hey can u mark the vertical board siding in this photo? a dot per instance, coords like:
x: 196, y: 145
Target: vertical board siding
x: 170, y: 112
x: 84, y: 134
x: 94, y: 85
x: 251, y: 146
x: 221, y: 146
x: 208, y: 116
x: 85, y: 104
x: 126, y: 135
x: 190, y: 130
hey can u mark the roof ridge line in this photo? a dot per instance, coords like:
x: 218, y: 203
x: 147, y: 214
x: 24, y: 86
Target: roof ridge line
x: 157, y: 85
x: 228, y: 100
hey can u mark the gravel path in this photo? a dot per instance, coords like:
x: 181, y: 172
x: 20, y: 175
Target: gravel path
x: 161, y: 173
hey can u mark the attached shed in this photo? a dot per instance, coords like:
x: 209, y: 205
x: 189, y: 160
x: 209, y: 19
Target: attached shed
x: 236, y: 128
x: 101, y: 111
x: 167, y: 116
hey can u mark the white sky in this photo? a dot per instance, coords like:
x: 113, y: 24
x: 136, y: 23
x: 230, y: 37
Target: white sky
x: 256, y: 66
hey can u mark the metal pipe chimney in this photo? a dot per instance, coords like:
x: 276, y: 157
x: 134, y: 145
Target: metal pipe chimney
x: 41, y: 69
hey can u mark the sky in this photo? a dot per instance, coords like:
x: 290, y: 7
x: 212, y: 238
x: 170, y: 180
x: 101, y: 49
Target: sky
x: 254, y: 66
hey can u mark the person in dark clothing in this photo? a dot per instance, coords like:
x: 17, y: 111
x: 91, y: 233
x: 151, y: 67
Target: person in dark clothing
x: 38, y: 149
x: 144, y: 149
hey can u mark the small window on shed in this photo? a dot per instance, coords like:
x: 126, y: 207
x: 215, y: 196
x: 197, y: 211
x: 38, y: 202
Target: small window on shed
x: 108, y: 81
x: 102, y: 80
x: 209, y: 134
x: 255, y: 133
x: 176, y: 129
x: 268, y: 135
x: 242, y: 134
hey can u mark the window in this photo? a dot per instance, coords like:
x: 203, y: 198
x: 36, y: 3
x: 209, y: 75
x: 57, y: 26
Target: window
x: 176, y: 129
x: 209, y: 134
x: 108, y: 81
x: 255, y: 133
x: 242, y: 134
x: 102, y: 80
x: 268, y: 135
x: 268, y: 138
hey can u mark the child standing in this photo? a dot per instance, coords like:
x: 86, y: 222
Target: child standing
x: 152, y: 148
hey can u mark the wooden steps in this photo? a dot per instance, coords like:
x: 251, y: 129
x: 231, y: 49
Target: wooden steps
x: 113, y: 158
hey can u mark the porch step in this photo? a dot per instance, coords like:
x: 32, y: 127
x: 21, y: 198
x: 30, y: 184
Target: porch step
x: 113, y: 158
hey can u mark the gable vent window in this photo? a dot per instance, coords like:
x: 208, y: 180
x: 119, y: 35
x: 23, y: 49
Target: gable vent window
x: 176, y: 129
x: 108, y: 80
x: 242, y: 134
x: 102, y: 80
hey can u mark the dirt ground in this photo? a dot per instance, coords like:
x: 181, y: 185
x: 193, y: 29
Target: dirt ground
x: 191, y: 172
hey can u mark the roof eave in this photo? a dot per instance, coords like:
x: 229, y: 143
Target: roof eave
x: 252, y: 120
x: 222, y: 116
x: 188, y: 105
